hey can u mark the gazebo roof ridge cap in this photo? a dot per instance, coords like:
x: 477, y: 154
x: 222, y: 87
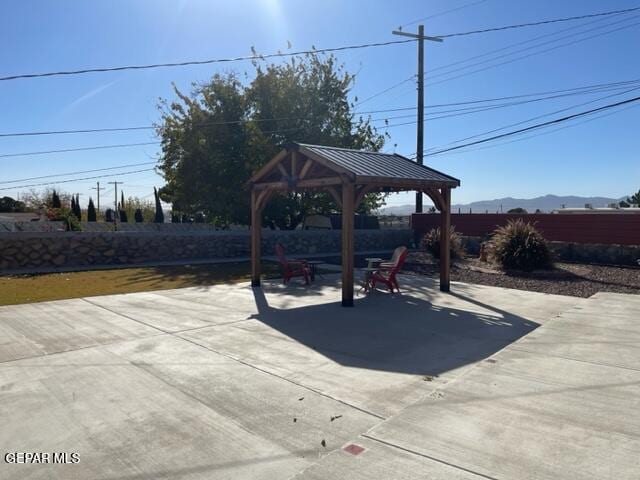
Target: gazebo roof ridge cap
x: 359, y: 150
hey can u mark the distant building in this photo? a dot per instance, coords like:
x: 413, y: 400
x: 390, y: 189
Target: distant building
x: 589, y: 209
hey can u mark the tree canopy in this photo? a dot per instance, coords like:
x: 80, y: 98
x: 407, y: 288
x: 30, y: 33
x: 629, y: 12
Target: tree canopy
x: 10, y: 205
x: 214, y: 138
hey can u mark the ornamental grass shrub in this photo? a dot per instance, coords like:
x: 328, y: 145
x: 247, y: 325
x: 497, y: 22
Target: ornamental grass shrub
x: 520, y: 246
x: 431, y: 242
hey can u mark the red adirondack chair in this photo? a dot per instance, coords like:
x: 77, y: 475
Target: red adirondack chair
x: 394, y: 258
x: 292, y: 268
x: 387, y: 275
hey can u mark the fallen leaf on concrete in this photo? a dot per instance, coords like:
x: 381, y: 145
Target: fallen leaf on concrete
x: 336, y: 417
x: 323, y: 443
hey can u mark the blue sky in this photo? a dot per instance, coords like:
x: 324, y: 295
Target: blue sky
x: 598, y: 157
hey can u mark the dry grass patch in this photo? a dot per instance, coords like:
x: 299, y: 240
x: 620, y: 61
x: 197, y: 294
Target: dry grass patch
x: 57, y: 286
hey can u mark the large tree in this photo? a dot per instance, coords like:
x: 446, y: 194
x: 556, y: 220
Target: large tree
x: 8, y: 204
x: 216, y: 137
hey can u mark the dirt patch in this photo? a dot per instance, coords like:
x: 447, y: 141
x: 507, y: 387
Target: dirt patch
x: 578, y: 280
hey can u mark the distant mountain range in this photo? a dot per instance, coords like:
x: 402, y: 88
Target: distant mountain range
x: 546, y: 203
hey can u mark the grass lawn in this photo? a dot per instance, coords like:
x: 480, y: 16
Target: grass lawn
x: 57, y: 286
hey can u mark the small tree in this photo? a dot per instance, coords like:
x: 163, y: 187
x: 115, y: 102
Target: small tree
x: 55, y: 200
x: 138, y: 215
x: 123, y: 216
x: 159, y: 218
x: 635, y: 198
x: 517, y: 210
x: 92, y: 216
x: 77, y: 210
x: 108, y: 215
x: 73, y: 205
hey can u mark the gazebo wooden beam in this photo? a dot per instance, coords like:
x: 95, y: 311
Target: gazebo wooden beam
x: 435, y: 195
x: 256, y: 232
x: 445, y: 240
x: 361, y: 192
x: 333, y: 191
x: 299, y: 185
x: 348, y: 211
x: 305, y: 168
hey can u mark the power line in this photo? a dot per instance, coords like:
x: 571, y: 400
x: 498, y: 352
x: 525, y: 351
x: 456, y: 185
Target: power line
x: 439, y: 14
x: 66, y: 150
x: 539, y: 125
x: 77, y: 179
x: 517, y: 44
x: 569, y: 92
x: 528, y: 137
x: 291, y: 54
x: 542, y: 22
x: 435, y: 116
x: 536, y: 118
x: 77, y: 173
x: 531, y: 54
x: 382, y: 92
x: 201, y: 62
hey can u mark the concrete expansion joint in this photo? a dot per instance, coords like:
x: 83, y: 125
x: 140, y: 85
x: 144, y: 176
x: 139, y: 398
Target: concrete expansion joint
x: 600, y: 364
x: 235, y: 359
x: 420, y: 454
x: 123, y: 315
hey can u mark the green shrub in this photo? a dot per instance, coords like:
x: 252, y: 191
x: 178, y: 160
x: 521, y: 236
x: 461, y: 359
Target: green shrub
x: 65, y: 215
x: 431, y: 243
x: 520, y: 246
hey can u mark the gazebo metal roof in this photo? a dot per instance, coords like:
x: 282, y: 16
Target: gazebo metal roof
x: 375, y: 164
x: 347, y: 175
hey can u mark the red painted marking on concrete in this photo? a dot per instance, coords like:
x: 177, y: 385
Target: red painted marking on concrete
x: 353, y: 449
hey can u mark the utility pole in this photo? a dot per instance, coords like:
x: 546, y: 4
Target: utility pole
x: 98, y: 188
x: 420, y: 139
x: 116, y: 213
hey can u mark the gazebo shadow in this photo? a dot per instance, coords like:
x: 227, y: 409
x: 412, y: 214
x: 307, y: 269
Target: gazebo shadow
x: 403, y: 333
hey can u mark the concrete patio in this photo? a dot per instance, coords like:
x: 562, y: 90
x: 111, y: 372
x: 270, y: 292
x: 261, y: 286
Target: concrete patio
x: 230, y: 382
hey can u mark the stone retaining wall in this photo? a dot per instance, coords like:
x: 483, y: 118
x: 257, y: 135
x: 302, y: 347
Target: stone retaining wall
x: 577, y: 252
x: 36, y: 250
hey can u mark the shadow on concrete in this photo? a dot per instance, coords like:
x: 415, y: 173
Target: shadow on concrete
x: 198, y: 275
x: 405, y: 333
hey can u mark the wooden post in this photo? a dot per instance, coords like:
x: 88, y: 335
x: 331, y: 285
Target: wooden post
x: 256, y: 230
x: 348, y: 211
x: 445, y: 240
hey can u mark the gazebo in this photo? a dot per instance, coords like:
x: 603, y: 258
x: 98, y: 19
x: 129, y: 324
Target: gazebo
x: 348, y: 175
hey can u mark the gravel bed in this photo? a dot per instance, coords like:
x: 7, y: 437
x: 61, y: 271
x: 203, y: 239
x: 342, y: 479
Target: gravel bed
x: 578, y: 280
